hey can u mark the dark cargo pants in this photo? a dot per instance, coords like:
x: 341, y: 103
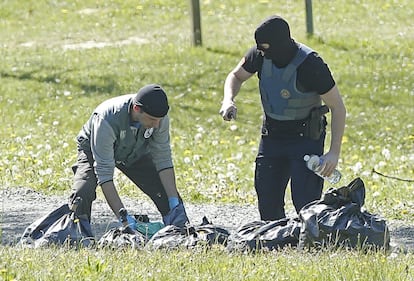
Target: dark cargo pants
x: 281, y: 160
x: 142, y: 173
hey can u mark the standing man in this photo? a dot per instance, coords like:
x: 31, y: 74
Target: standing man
x: 131, y: 133
x: 293, y: 82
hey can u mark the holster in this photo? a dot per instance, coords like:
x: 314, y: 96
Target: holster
x: 317, y: 122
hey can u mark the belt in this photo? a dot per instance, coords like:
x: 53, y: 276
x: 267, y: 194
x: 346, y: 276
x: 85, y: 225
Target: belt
x: 312, y: 126
x: 285, y: 129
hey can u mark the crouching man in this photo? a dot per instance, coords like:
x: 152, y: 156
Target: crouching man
x: 131, y: 133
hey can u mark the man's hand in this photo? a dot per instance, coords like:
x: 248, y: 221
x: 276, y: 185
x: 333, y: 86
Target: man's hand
x: 176, y: 216
x: 126, y: 219
x: 228, y: 110
x: 132, y: 222
x: 330, y: 161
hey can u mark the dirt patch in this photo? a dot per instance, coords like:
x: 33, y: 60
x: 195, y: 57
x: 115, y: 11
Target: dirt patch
x: 21, y: 206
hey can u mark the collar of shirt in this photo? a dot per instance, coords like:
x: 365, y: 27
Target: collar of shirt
x: 135, y: 124
x: 135, y: 127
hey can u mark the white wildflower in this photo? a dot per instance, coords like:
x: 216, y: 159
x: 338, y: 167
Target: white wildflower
x: 357, y: 167
x: 187, y: 160
x: 386, y: 153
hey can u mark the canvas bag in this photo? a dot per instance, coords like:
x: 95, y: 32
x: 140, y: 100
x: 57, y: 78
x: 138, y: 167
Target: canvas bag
x: 338, y: 219
x: 60, y: 226
x: 265, y: 235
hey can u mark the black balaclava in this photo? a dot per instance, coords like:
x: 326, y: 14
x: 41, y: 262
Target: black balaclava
x: 153, y: 100
x: 275, y: 31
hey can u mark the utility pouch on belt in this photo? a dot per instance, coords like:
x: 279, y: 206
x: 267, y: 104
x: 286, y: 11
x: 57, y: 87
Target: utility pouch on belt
x: 317, y: 122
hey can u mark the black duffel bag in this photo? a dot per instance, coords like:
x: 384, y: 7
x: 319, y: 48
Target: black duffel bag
x: 59, y: 227
x: 338, y: 220
x: 265, y: 235
x: 173, y: 237
x: 121, y: 238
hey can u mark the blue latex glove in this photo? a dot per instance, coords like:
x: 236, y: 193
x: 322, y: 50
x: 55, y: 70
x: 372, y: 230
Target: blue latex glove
x: 173, y: 202
x: 132, y: 222
x: 177, y: 216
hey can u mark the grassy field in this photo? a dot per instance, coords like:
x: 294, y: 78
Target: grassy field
x: 62, y: 58
x: 202, y: 265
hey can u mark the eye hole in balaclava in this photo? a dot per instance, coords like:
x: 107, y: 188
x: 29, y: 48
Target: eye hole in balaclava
x: 275, y: 31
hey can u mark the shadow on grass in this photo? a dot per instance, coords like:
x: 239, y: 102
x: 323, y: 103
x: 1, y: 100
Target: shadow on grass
x: 89, y: 85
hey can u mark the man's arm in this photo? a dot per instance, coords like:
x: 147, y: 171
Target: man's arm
x: 160, y: 148
x: 177, y: 214
x: 167, y: 177
x: 102, y: 143
x: 112, y: 197
x: 232, y: 86
x: 334, y: 101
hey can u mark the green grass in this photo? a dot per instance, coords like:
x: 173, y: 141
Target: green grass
x: 50, y: 83
x: 200, y: 264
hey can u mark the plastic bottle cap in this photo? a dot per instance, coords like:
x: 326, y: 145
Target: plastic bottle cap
x: 306, y: 157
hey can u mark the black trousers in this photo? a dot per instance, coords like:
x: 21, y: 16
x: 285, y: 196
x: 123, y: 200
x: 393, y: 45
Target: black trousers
x: 142, y: 173
x: 281, y: 160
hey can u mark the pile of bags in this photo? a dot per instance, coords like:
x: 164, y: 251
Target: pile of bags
x: 336, y: 220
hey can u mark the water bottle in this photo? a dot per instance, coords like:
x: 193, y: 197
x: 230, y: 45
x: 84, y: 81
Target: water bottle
x: 313, y: 162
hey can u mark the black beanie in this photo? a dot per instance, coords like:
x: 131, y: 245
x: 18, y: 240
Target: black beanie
x: 275, y: 31
x: 152, y: 100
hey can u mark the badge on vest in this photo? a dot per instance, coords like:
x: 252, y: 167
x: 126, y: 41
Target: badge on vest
x: 285, y: 94
x: 148, y: 132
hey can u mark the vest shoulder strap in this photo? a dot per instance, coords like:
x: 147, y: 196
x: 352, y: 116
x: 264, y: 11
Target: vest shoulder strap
x: 303, y: 52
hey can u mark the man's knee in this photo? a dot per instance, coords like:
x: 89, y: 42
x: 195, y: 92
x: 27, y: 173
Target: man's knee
x: 86, y: 191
